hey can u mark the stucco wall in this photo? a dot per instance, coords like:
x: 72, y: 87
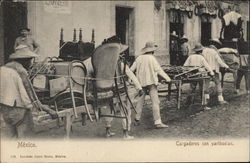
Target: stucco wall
x: 87, y: 15
x: 160, y: 34
x: 100, y: 15
x: 144, y: 24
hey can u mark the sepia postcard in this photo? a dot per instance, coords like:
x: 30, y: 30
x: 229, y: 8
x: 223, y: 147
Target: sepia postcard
x: 124, y: 81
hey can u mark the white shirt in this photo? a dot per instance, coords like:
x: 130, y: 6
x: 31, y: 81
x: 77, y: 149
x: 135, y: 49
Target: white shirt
x: 198, y: 60
x: 147, y: 69
x: 213, y: 59
x: 12, y: 90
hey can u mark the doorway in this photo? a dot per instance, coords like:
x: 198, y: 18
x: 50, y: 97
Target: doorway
x: 125, y: 29
x: 14, y: 18
x: 205, y: 33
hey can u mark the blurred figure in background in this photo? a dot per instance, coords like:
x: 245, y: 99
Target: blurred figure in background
x: 244, y: 70
x: 184, y: 50
x: 26, y: 39
x: 174, y: 48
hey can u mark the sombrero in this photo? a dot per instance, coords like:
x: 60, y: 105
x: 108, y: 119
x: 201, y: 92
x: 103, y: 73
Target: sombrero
x: 174, y: 34
x: 198, y: 47
x: 23, y: 51
x: 115, y: 39
x: 149, y: 47
x: 215, y: 40
x: 184, y: 38
x: 24, y: 28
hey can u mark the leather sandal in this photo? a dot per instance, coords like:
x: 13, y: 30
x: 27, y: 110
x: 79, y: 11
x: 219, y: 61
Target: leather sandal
x: 161, y: 125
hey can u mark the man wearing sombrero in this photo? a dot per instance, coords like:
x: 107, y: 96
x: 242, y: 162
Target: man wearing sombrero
x: 197, y: 59
x: 17, y: 98
x: 174, y: 48
x: 214, y: 60
x: 184, y: 50
x: 106, y: 47
x: 147, y: 68
x: 26, y: 39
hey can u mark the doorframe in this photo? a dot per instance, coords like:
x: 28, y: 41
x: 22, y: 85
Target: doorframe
x: 2, y: 56
x: 133, y: 9
x: 24, y: 23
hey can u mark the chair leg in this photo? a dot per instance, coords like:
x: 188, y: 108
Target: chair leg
x: 68, y: 124
x: 112, y: 108
x: 96, y: 112
x: 95, y: 105
x: 222, y: 79
x: 84, y: 118
x: 85, y: 101
x: 126, y: 91
x: 119, y: 96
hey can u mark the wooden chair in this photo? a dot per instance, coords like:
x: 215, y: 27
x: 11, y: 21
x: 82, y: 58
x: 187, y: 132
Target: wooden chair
x: 105, y: 86
x: 74, y: 94
x: 76, y: 50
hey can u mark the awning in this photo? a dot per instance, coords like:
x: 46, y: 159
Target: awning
x: 183, y: 5
x: 207, y: 7
x: 198, y: 7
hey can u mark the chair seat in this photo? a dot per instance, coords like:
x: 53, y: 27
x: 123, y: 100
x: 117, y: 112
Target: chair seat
x: 64, y: 100
x: 100, y: 96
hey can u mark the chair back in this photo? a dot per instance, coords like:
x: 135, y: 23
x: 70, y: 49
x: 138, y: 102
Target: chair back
x: 104, y: 61
x: 73, y: 72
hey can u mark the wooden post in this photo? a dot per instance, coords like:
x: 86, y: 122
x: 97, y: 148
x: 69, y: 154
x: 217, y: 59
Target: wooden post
x: 61, y: 38
x: 179, y: 95
x: 93, y: 36
x: 169, y: 90
x: 68, y: 124
x: 203, y: 101
x: 61, y: 41
x: 74, y: 35
x: 72, y: 97
x: 80, y: 35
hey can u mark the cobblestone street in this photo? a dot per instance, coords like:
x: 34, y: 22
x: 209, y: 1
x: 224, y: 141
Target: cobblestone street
x: 227, y: 121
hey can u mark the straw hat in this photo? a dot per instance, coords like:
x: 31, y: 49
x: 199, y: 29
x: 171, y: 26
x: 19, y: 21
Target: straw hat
x: 174, y: 34
x: 24, y: 28
x: 23, y: 51
x: 149, y: 47
x: 115, y: 39
x: 215, y: 40
x: 184, y: 38
x: 198, y: 47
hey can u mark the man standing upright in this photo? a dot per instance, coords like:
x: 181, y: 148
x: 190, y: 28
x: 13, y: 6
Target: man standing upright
x: 26, y: 39
x: 184, y: 50
x: 214, y: 60
x: 174, y: 48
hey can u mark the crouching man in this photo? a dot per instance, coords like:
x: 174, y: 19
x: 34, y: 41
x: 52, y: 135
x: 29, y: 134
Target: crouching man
x: 17, y: 98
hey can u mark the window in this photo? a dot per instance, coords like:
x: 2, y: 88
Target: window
x: 176, y: 21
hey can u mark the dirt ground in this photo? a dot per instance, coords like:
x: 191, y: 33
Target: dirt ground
x: 227, y: 121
